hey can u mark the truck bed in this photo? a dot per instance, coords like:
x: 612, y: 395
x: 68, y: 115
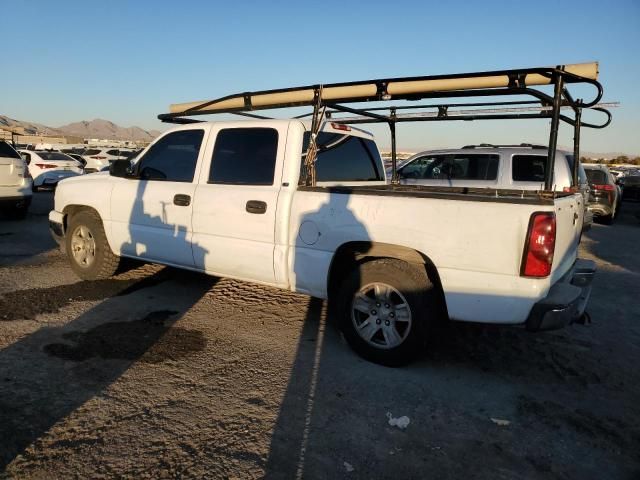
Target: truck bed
x: 528, y: 197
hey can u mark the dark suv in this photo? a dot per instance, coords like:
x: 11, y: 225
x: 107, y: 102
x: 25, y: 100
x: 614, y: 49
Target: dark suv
x: 605, y: 197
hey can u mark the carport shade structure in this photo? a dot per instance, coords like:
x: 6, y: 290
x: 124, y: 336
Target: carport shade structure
x: 329, y: 101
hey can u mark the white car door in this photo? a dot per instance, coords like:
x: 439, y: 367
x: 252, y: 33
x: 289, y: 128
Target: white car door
x: 151, y: 213
x: 234, y: 211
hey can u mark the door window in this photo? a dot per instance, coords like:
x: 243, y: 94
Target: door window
x: 244, y: 156
x: 453, y: 166
x: 173, y: 158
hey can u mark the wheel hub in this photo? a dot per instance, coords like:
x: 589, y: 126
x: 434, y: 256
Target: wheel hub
x: 83, y: 246
x: 381, y: 315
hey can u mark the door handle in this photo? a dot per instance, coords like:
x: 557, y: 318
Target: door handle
x: 182, y: 200
x: 256, y: 206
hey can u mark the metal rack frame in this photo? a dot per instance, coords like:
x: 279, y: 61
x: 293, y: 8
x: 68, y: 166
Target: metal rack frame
x: 313, y: 95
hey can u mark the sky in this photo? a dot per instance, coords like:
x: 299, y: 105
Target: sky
x: 126, y: 61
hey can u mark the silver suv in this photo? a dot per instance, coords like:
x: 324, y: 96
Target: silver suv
x: 515, y: 167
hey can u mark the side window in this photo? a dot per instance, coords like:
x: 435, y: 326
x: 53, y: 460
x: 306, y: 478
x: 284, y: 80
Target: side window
x: 474, y: 167
x: 173, y: 158
x: 416, y: 169
x: 528, y: 168
x: 244, y: 156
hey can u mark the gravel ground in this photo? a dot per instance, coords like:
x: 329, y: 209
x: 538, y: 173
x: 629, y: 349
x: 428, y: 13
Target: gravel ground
x: 160, y: 373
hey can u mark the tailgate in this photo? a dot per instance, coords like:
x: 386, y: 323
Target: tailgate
x: 11, y: 172
x: 569, y: 218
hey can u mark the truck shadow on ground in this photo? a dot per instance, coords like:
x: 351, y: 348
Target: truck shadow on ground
x: 47, y: 375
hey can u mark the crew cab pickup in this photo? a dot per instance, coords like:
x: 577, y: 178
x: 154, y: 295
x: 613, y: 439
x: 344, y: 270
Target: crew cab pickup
x: 225, y: 198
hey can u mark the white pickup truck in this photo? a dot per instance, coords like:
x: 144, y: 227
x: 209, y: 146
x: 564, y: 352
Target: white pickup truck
x: 307, y: 207
x: 224, y: 198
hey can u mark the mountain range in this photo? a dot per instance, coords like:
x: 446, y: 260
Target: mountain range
x: 97, y: 128
x: 105, y: 129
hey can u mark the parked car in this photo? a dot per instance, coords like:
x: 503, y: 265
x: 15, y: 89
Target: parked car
x: 631, y: 187
x: 97, y: 158
x: 15, y: 182
x: 77, y: 157
x: 518, y: 167
x: 605, y: 197
x: 225, y: 198
x: 49, y: 168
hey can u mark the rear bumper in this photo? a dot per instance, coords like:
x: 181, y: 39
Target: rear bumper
x: 51, y: 179
x: 566, y: 300
x: 15, y: 202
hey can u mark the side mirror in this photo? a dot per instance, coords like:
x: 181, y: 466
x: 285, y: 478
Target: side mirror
x: 120, y: 168
x: 26, y: 159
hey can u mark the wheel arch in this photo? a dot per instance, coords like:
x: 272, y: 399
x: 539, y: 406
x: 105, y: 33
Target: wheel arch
x: 351, y: 254
x: 73, y: 209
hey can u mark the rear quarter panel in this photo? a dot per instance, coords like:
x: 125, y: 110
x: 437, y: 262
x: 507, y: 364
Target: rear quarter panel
x: 476, y: 246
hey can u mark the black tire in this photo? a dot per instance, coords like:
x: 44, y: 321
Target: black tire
x: 18, y: 213
x: 104, y: 263
x: 406, y: 280
x: 607, y: 219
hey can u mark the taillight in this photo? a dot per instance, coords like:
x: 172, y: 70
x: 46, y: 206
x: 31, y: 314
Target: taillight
x: 46, y: 165
x: 539, y: 245
x: 341, y: 126
x: 607, y: 187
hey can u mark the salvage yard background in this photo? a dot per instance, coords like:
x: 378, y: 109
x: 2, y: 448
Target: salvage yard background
x: 164, y: 373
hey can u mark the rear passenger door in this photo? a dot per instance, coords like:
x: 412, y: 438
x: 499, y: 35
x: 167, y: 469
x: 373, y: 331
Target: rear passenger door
x: 235, y: 206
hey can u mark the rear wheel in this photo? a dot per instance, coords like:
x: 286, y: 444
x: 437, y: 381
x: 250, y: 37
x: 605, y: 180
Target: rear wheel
x: 385, y: 309
x: 86, y: 244
x: 607, y: 219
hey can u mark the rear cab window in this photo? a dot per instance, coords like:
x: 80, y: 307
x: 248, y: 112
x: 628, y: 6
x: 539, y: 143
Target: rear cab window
x: 344, y: 158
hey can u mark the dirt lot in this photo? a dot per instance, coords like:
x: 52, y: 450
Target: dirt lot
x: 165, y: 374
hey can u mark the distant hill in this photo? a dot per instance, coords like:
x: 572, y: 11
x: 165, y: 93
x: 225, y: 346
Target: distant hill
x: 97, y: 128
x: 30, y: 128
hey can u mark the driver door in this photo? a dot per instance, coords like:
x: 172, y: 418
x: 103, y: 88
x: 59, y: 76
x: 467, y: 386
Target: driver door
x: 151, y: 214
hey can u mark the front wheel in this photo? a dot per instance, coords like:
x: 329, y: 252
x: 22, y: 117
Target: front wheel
x: 385, y: 308
x: 86, y: 244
